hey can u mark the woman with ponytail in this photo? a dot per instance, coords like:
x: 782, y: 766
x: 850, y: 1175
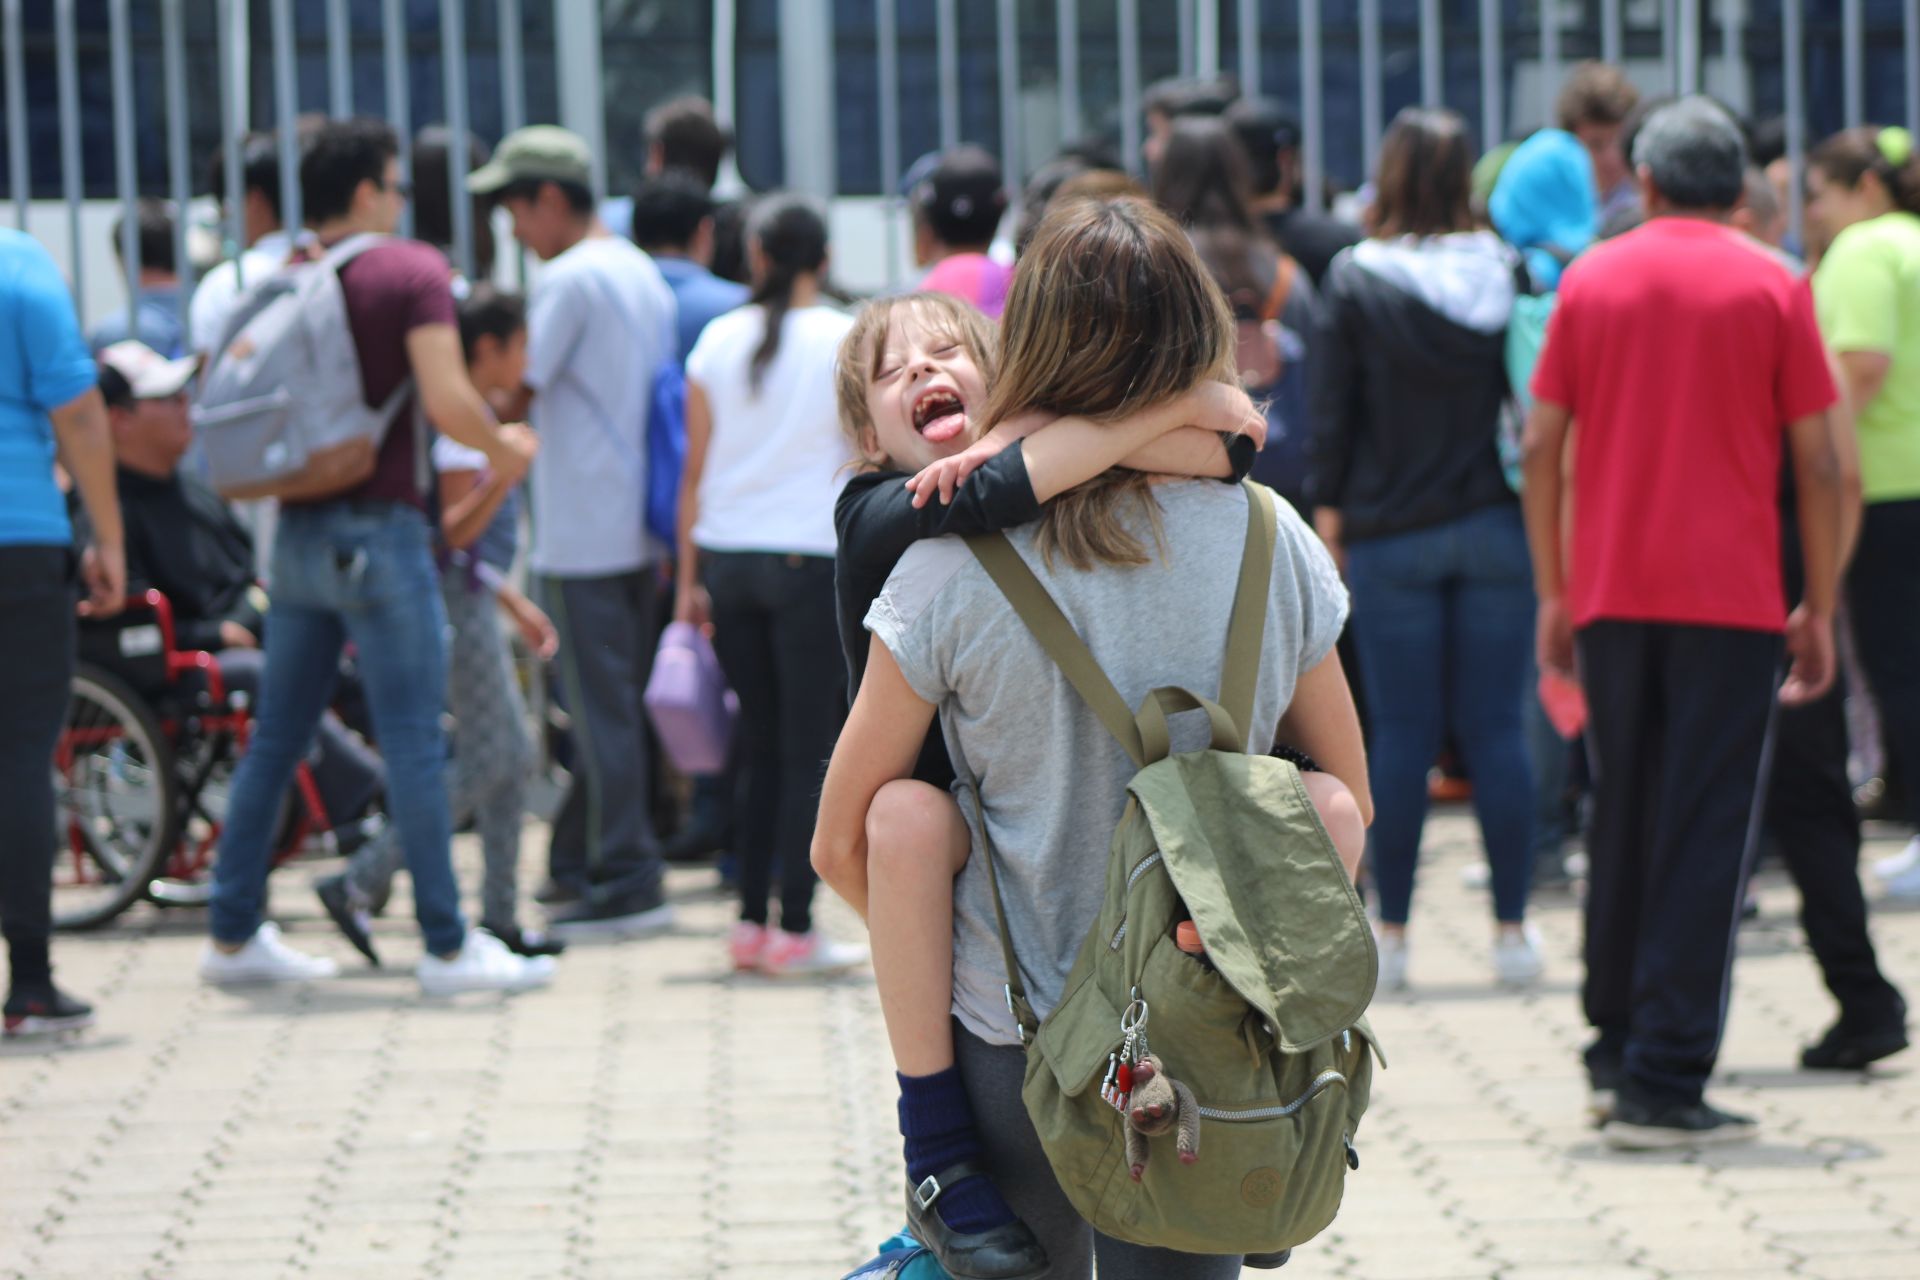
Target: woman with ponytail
x: 765, y: 461
x: 1863, y: 201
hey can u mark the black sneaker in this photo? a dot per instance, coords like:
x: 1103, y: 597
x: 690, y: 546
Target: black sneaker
x: 1851, y: 1048
x: 42, y: 1009
x: 559, y: 893
x: 525, y: 942
x: 349, y: 915
x: 1640, y: 1126
x: 1267, y: 1261
x: 632, y: 914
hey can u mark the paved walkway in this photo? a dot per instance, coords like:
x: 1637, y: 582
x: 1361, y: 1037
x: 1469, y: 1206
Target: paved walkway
x: 652, y: 1115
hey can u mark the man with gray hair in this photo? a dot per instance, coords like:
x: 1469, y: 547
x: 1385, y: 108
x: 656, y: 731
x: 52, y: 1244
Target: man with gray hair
x: 1681, y: 348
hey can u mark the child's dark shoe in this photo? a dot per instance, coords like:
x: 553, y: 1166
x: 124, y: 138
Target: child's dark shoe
x: 1006, y: 1251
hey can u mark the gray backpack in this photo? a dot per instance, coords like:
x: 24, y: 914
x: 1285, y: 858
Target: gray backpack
x: 285, y: 381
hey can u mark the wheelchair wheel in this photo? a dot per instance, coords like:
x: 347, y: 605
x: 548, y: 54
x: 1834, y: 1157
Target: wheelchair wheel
x: 117, y: 792
x: 206, y: 769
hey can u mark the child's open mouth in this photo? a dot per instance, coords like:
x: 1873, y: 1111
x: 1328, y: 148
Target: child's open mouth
x: 939, y: 416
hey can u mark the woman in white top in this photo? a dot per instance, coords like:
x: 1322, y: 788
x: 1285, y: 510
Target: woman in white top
x: 765, y: 460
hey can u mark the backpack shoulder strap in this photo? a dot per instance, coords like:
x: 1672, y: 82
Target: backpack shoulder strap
x: 1056, y: 635
x: 1241, y: 671
x: 1282, y: 289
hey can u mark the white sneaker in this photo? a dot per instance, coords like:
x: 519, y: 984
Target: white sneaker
x: 1903, y: 886
x: 1517, y: 961
x: 1899, y: 864
x: 806, y: 955
x: 264, y: 959
x: 483, y: 963
x: 1393, y: 960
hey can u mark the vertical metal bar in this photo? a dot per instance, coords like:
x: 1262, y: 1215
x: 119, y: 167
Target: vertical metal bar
x: 126, y: 177
x: 946, y: 46
x: 1067, y: 27
x: 453, y: 78
x: 1493, y: 119
x: 1669, y: 63
x: 1613, y: 41
x: 1686, y: 46
x: 1249, y: 39
x: 583, y: 101
x: 1183, y: 20
x: 68, y: 73
x: 1853, y: 57
x: 1910, y: 25
x: 1130, y: 84
x: 1432, y: 64
x: 513, y: 70
x: 232, y: 126
x: 806, y: 97
x: 725, y: 29
x: 339, y: 59
x: 1550, y: 57
x: 1372, y: 111
x: 286, y: 114
x: 1206, y: 38
x: 173, y: 52
x: 1733, y: 65
x: 887, y: 54
x: 1006, y: 39
x: 1312, y: 110
x: 393, y: 55
x: 1793, y: 53
x: 17, y: 164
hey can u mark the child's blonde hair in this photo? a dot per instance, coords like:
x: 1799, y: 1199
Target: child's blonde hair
x: 860, y: 351
x: 1110, y: 312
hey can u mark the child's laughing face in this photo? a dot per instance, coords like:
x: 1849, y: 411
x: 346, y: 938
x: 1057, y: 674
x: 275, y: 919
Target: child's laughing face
x: 925, y: 387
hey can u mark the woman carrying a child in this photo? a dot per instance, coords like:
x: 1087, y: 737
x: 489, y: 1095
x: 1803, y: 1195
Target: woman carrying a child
x: 1111, y: 314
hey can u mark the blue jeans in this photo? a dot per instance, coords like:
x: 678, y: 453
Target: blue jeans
x: 362, y: 572
x: 1443, y: 620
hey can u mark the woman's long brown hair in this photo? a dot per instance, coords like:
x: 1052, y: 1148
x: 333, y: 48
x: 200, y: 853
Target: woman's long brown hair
x: 1110, y: 311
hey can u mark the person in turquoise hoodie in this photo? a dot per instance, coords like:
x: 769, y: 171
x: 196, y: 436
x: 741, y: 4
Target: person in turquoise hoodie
x: 1546, y: 204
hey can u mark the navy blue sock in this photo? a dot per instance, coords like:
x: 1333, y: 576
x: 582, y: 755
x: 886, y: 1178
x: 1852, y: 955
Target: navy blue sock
x: 937, y: 1123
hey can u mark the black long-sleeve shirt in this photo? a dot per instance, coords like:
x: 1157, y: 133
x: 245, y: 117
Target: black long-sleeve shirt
x: 875, y: 521
x: 182, y: 540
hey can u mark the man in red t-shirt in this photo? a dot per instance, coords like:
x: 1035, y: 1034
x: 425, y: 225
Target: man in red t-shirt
x: 1682, y: 349
x: 356, y: 564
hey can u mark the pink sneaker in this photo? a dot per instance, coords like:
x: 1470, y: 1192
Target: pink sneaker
x: 801, y: 955
x: 747, y: 944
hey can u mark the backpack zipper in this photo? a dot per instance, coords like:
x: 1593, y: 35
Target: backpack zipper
x: 1321, y: 1083
x: 1146, y: 864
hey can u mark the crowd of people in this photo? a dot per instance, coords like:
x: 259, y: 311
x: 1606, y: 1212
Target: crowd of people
x: 1618, y: 485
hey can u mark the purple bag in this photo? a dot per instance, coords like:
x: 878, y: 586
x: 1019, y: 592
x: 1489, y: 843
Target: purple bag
x: 687, y: 697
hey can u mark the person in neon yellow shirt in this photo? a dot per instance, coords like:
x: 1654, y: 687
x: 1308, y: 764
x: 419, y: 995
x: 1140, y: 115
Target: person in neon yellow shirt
x: 1863, y: 199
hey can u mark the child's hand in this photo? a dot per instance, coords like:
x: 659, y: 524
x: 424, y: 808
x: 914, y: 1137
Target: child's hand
x: 1227, y: 409
x: 947, y: 475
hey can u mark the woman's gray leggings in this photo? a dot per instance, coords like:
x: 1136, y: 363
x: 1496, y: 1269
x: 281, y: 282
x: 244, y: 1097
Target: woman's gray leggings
x: 993, y: 1075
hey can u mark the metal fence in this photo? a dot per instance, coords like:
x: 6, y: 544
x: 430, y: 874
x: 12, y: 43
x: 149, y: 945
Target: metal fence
x: 834, y: 96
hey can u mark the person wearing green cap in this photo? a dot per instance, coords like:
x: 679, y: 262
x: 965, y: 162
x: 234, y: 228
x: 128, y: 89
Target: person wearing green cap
x: 1863, y: 195
x: 601, y: 322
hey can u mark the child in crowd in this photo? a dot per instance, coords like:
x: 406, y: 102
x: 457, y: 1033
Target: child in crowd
x: 911, y: 372
x: 493, y: 755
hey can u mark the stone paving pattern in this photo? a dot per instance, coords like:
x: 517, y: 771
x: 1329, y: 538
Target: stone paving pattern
x: 653, y: 1115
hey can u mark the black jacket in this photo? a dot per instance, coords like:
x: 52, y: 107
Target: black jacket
x: 1407, y: 398
x: 183, y: 541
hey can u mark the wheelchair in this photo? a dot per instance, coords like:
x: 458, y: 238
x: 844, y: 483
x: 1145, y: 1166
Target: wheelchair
x: 143, y: 769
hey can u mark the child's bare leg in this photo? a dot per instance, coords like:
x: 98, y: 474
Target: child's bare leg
x: 916, y: 844
x: 1340, y: 814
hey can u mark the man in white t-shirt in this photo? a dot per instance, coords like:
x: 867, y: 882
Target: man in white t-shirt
x: 600, y: 324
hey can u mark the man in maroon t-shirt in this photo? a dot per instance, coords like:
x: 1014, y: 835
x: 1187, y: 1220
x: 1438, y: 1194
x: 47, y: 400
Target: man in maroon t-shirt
x: 357, y: 565
x: 1681, y: 349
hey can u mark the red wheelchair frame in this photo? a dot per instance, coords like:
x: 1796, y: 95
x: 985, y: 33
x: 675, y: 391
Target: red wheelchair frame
x: 117, y: 734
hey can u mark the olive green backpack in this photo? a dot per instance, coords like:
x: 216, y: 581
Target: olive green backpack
x: 1268, y: 1031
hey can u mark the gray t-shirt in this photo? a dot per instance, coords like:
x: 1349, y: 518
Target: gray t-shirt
x: 600, y: 325
x: 1051, y: 779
